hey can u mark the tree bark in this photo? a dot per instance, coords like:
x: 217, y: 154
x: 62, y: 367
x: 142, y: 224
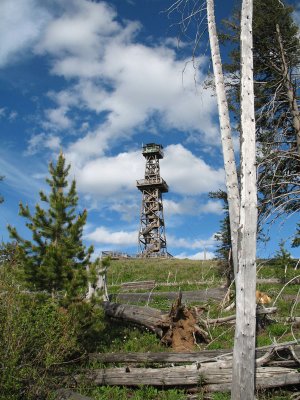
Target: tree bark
x: 280, y: 352
x: 243, y: 380
x: 226, y: 137
x: 192, y: 295
x: 100, y: 287
x: 211, y: 376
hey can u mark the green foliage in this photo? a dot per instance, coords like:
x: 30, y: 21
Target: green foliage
x: 275, y: 79
x: 36, y: 337
x: 55, y: 259
x: 296, y: 241
x: 223, y: 238
x: 41, y: 340
x: 221, y: 396
x: 283, y: 263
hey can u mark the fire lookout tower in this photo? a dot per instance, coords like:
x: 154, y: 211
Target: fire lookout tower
x: 152, y: 237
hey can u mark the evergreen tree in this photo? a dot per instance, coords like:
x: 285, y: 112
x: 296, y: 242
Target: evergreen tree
x: 223, y: 238
x: 283, y: 263
x: 55, y: 259
x: 276, y: 50
x: 296, y: 241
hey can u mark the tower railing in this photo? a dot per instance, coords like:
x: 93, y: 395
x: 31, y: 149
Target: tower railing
x: 152, y: 238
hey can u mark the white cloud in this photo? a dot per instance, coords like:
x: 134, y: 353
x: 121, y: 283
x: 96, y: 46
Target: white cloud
x: 81, y: 28
x: 116, y: 176
x: 207, y: 255
x: 127, y: 81
x: 212, y: 207
x: 107, y: 176
x: 57, y: 118
x: 11, y: 115
x: 42, y: 141
x: 120, y: 238
x: 22, y: 22
x: 191, y: 243
x: 16, y: 177
x: 187, y: 174
x: 191, y: 206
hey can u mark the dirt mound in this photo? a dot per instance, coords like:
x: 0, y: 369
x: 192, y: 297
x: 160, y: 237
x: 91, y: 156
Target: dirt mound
x: 181, y: 330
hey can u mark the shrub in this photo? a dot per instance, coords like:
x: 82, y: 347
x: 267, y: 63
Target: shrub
x: 36, y: 336
x: 283, y: 263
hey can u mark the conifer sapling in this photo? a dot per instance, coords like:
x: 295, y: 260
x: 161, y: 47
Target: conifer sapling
x: 55, y: 259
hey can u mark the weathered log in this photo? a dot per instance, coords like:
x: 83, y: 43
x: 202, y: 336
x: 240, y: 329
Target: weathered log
x: 266, y: 378
x: 145, y: 316
x: 161, y: 357
x: 178, y: 329
x: 231, y: 318
x: 152, y: 318
x: 144, y: 285
x: 207, y: 374
x: 186, y: 357
x: 194, y: 295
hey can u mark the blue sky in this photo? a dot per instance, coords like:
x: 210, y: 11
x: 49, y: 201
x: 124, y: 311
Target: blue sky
x: 99, y: 80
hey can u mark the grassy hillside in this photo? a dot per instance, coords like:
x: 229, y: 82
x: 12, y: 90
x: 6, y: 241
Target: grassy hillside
x: 34, y: 322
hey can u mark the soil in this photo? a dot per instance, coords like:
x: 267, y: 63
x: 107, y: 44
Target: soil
x: 182, y: 330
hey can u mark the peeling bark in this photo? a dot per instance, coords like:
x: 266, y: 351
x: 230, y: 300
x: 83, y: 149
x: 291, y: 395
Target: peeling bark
x: 243, y: 380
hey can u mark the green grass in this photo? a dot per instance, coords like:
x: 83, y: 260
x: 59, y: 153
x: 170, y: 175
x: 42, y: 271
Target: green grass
x: 143, y: 393
x: 186, y: 272
x: 187, y: 275
x: 170, y: 270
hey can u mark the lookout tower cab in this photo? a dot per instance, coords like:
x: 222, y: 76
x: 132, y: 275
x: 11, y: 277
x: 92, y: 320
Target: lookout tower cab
x: 152, y: 236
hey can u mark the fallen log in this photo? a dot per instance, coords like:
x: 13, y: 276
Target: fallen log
x: 231, y: 318
x: 189, y: 357
x: 193, y: 295
x: 143, y: 285
x: 148, y: 317
x: 178, y: 329
x: 161, y: 357
x: 209, y: 375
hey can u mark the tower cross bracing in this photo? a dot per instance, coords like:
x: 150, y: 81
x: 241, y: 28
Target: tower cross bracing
x: 152, y: 236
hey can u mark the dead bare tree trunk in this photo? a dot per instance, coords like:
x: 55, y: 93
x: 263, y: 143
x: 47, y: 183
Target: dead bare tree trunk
x: 100, y: 286
x: 226, y: 137
x: 243, y: 375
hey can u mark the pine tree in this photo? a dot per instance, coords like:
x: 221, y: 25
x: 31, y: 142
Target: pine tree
x: 296, y: 241
x: 223, y: 237
x: 55, y: 259
x: 283, y: 262
x: 276, y: 49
